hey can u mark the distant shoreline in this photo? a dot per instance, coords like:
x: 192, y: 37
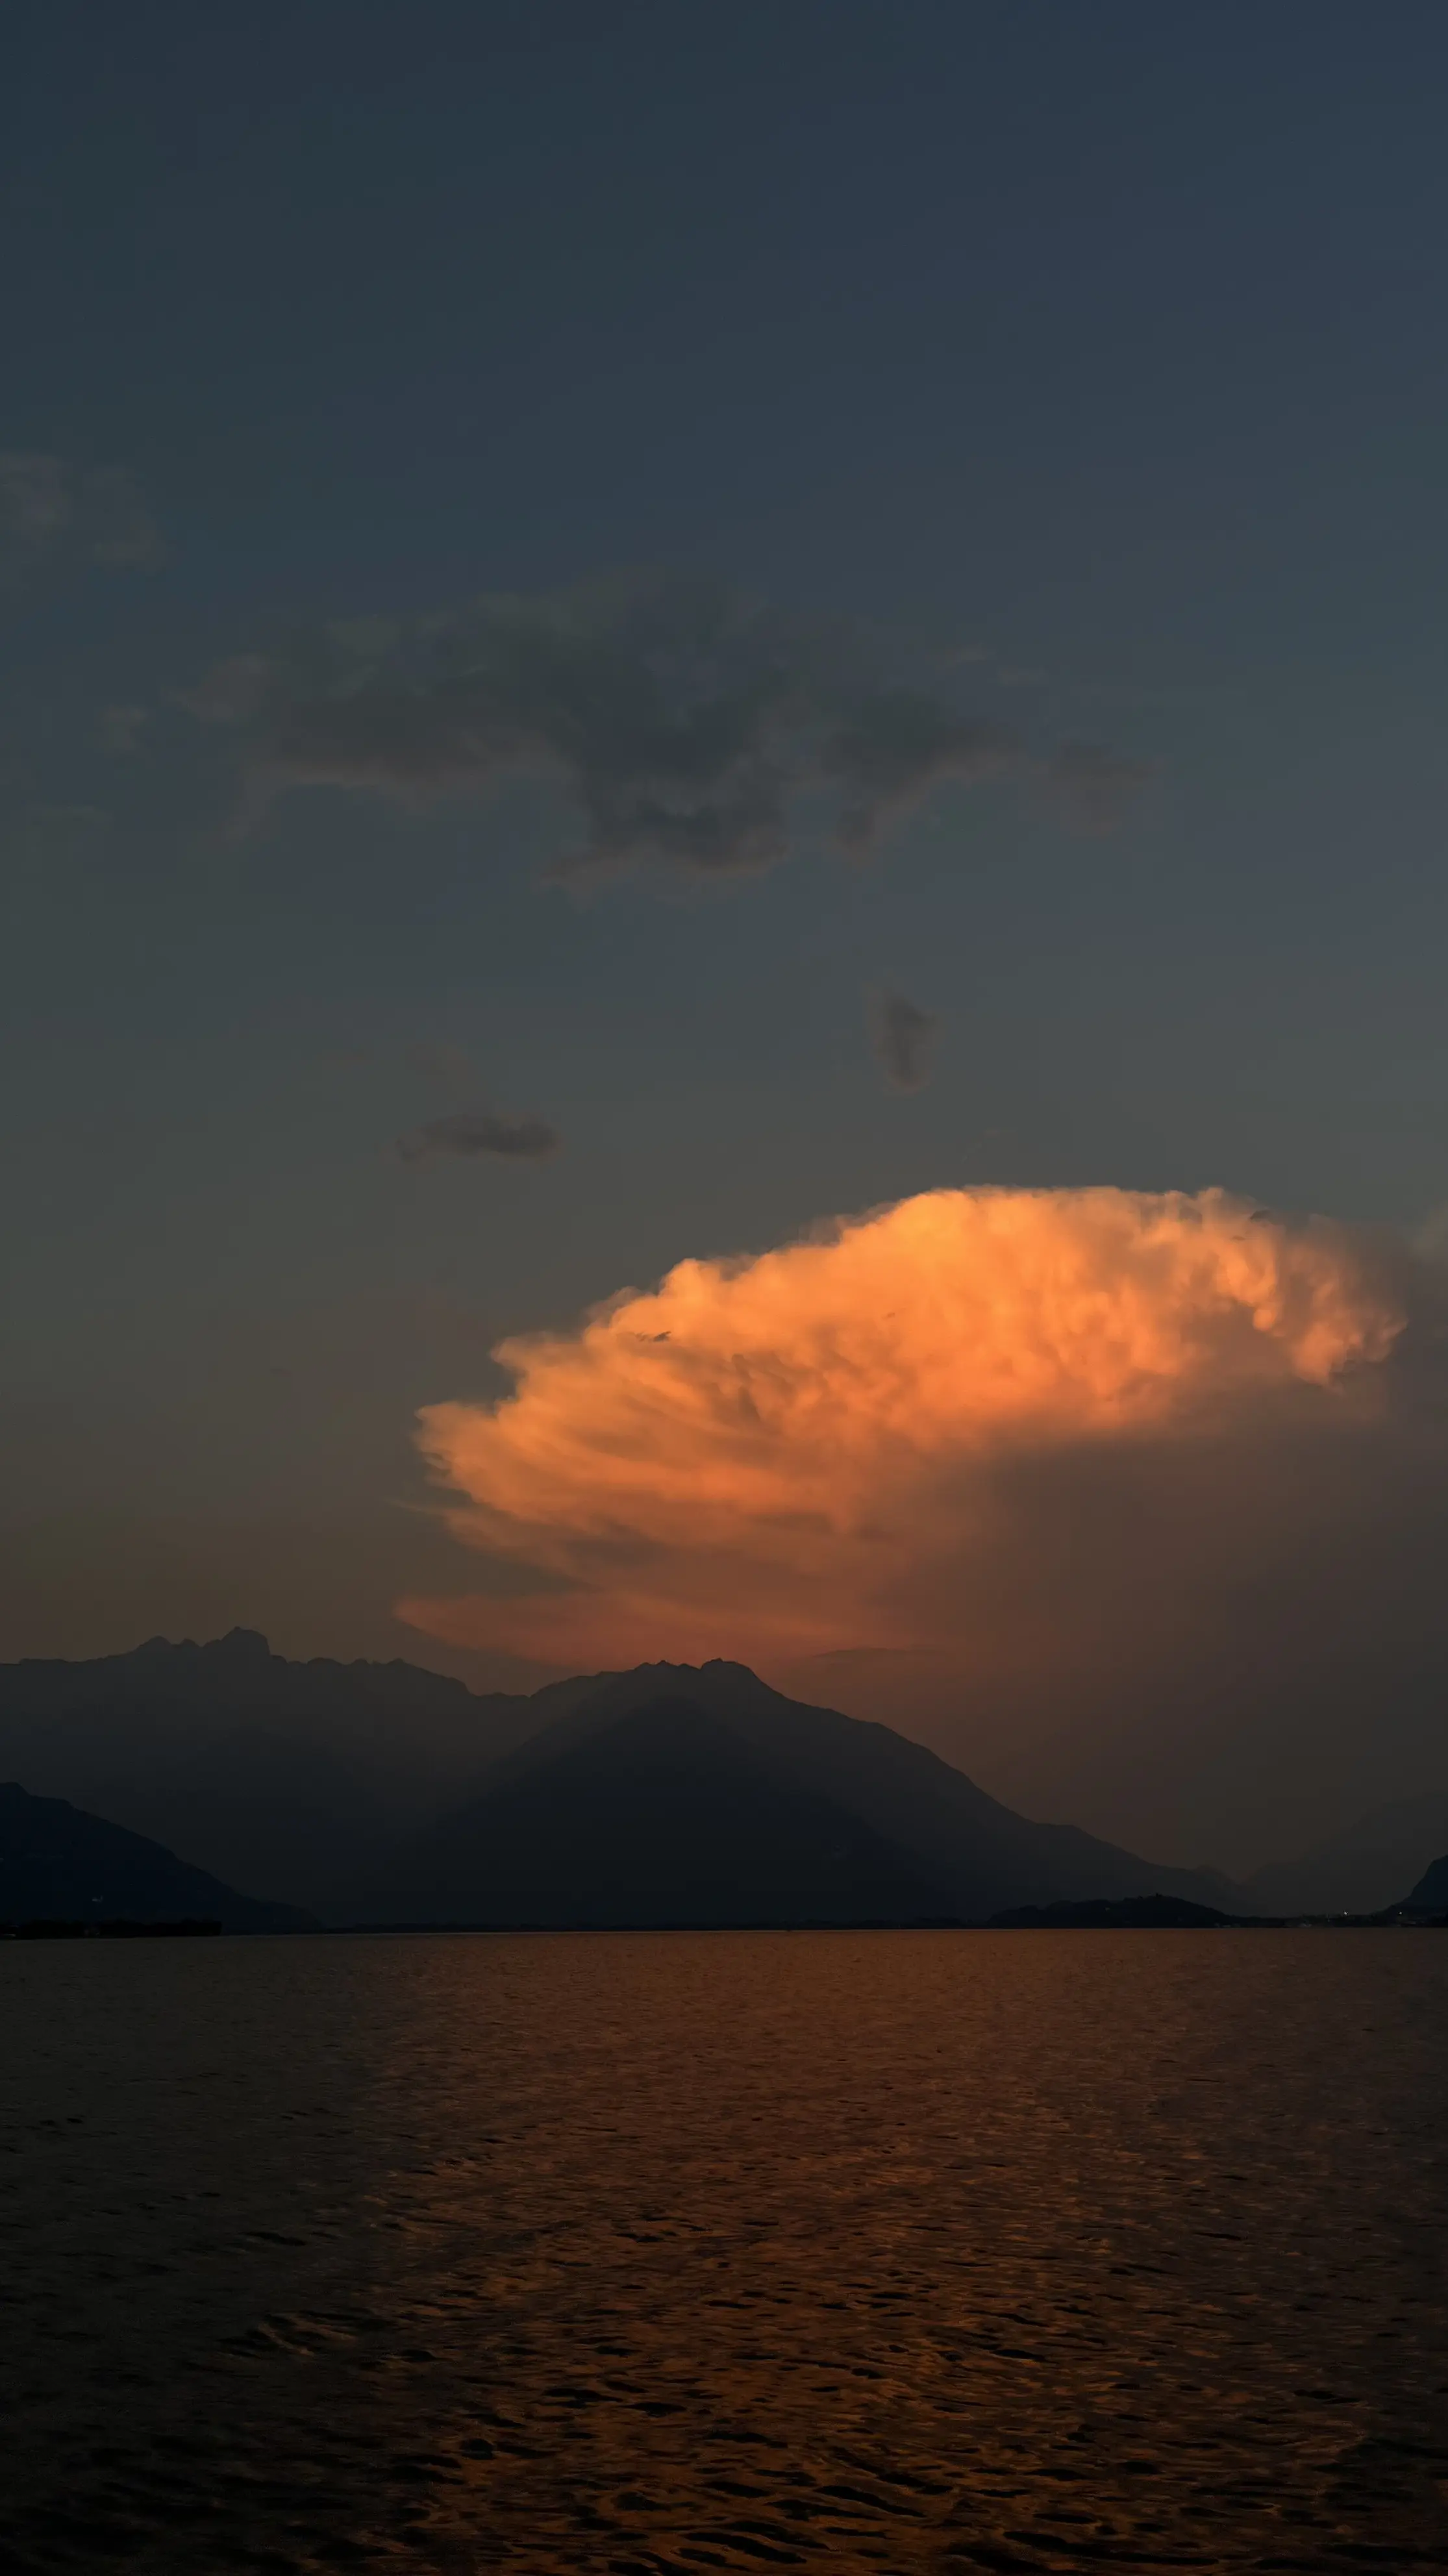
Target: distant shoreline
x: 1044, y: 1919
x: 120, y: 1928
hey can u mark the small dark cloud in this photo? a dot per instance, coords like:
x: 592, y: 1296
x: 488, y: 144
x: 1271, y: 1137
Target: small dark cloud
x: 470, y: 1132
x: 690, y: 728
x: 1095, y: 786
x: 98, y: 512
x: 903, y: 1037
x: 672, y: 714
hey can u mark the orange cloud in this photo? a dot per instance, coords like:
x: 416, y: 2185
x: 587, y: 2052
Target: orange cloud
x: 796, y: 1454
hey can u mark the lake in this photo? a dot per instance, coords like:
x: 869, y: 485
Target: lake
x: 848, y: 2251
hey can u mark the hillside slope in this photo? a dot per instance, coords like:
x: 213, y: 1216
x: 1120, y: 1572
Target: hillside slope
x: 661, y: 1815
x: 58, y: 1864
x: 1430, y: 1896
x: 598, y: 1782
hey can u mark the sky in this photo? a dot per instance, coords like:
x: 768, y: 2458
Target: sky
x: 632, y: 636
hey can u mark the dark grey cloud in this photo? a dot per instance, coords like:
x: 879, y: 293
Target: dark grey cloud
x: 467, y: 1133
x: 903, y: 1037
x: 1093, y: 785
x: 691, y: 728
x: 97, y: 512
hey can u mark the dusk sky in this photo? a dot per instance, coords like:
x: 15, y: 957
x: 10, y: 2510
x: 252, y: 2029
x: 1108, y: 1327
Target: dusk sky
x: 632, y: 635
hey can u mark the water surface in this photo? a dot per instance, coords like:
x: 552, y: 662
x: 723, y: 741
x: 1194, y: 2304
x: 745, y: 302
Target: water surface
x: 886, y: 2251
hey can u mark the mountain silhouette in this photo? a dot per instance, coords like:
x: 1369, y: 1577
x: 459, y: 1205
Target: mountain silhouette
x: 659, y: 1816
x: 274, y: 1775
x: 381, y: 1792
x: 58, y: 1864
x: 651, y: 1784
x: 1430, y: 1896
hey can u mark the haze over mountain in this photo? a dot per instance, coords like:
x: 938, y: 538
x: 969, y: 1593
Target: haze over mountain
x: 673, y: 1792
x: 1359, y: 1871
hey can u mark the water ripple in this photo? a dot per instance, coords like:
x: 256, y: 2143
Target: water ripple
x: 835, y: 2251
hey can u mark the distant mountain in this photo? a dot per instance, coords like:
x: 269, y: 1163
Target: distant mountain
x: 275, y: 1775
x: 383, y: 1792
x: 1361, y: 1870
x: 59, y: 1864
x: 1430, y: 1896
x: 660, y: 1816
x: 688, y: 1793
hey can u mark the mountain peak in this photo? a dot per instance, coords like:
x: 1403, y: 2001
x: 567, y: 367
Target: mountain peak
x: 237, y: 1643
x: 243, y: 1641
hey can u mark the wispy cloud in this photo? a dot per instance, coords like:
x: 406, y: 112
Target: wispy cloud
x: 893, y: 749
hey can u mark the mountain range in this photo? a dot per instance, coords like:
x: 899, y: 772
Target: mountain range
x: 274, y: 1775
x: 382, y: 1793
x: 386, y: 1794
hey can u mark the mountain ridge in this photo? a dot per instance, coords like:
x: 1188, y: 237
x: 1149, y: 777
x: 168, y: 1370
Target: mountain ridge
x: 658, y: 1816
x: 914, y: 1796
x: 323, y: 1782
x: 270, y: 1773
